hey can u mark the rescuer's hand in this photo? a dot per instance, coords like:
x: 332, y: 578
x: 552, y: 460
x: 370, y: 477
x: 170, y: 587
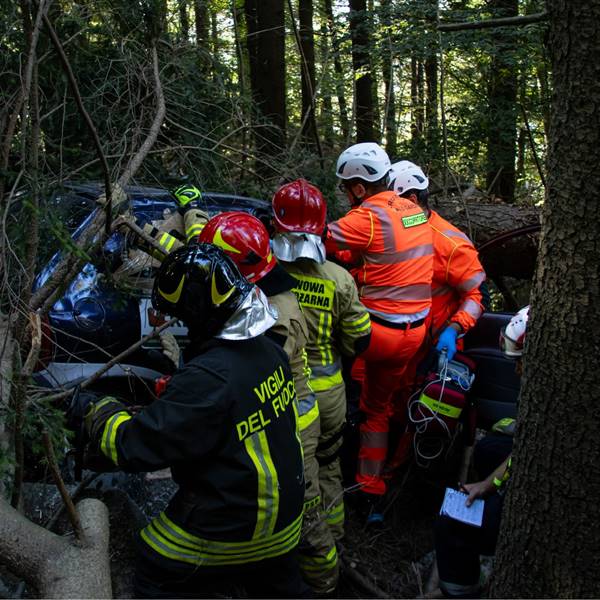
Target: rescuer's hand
x: 170, y: 347
x: 187, y: 195
x: 480, y: 489
x: 98, y: 413
x: 447, y: 341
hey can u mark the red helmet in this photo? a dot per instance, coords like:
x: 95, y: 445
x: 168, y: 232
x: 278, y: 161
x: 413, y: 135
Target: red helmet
x: 244, y: 239
x: 299, y: 207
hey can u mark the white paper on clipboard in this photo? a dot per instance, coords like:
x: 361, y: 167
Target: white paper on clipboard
x: 454, y: 507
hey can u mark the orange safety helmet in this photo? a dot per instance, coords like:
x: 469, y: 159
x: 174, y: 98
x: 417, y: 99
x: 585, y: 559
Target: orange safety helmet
x: 299, y: 207
x: 244, y: 239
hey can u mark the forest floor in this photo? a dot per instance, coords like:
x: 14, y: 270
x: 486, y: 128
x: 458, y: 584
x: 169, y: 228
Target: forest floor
x: 392, y: 560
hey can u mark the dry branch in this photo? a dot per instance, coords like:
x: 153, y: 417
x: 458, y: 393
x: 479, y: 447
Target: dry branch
x: 86, y: 117
x: 60, y: 484
x: 500, y: 22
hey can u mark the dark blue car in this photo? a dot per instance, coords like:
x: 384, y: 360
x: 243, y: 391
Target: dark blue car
x: 98, y: 316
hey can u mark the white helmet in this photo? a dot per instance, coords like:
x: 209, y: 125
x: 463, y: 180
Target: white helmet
x: 405, y: 175
x: 512, y: 337
x: 368, y: 161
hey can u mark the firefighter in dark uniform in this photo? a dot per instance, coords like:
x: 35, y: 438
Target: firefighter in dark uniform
x: 246, y: 241
x: 227, y: 427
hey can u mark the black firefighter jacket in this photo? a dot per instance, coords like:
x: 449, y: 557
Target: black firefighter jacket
x: 227, y: 426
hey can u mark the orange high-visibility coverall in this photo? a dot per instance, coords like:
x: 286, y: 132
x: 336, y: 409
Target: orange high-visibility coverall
x: 391, y: 237
x: 456, y: 298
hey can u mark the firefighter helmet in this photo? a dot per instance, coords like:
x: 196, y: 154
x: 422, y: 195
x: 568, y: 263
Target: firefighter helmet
x: 299, y: 207
x: 367, y: 161
x: 512, y: 337
x: 200, y: 285
x: 244, y: 239
x: 405, y: 176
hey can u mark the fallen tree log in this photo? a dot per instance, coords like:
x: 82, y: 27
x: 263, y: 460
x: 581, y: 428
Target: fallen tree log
x: 482, y: 220
x: 55, y: 566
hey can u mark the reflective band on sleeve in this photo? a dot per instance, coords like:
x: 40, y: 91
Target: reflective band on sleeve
x: 324, y: 338
x: 458, y: 234
x: 257, y: 447
x: 419, y: 291
x: 395, y: 257
x: 109, y: 435
x: 193, y: 230
x: 373, y: 439
x: 171, y: 541
x: 472, y: 283
x: 384, y: 217
x: 437, y: 406
x: 358, y: 325
x: 471, y: 308
x: 338, y: 236
x: 167, y: 241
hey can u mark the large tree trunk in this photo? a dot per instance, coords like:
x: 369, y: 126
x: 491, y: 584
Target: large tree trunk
x: 502, y: 114
x: 417, y: 111
x: 363, y: 92
x: 550, y: 535
x: 307, y: 66
x: 201, y: 23
x: 266, y: 49
x: 51, y: 564
x: 339, y: 72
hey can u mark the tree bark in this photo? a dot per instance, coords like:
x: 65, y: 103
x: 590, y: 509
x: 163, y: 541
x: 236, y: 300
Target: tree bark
x: 363, y: 92
x: 50, y: 563
x: 417, y: 110
x: 266, y: 49
x: 184, y: 21
x: 391, y: 132
x: 502, y: 112
x: 550, y: 535
x: 339, y: 72
x: 201, y: 23
x: 307, y: 65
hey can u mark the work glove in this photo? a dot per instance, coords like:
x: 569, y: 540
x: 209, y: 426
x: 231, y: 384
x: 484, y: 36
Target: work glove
x: 170, y: 347
x: 98, y: 413
x: 187, y: 196
x: 447, y: 342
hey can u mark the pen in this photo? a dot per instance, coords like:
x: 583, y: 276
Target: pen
x: 462, y: 488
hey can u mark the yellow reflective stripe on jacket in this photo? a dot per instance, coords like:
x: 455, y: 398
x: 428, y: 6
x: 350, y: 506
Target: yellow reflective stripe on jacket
x: 109, y: 435
x: 319, y: 384
x: 193, y: 230
x: 309, y: 417
x: 257, y: 447
x: 318, y: 563
x: 166, y: 241
x: 336, y: 514
x: 171, y: 541
x: 358, y: 326
x: 437, y: 406
x: 324, y: 338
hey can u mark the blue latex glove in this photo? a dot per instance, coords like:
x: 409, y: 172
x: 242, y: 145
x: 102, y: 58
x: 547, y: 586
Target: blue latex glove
x: 448, y: 341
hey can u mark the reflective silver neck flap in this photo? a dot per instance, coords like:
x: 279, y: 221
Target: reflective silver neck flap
x: 254, y: 317
x: 289, y: 247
